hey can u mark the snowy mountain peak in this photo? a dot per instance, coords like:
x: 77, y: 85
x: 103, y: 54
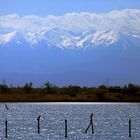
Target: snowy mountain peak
x: 72, y: 30
x: 5, y: 38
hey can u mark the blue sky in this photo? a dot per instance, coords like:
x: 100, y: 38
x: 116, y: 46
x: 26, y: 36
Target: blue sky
x: 92, y: 67
x: 60, y: 7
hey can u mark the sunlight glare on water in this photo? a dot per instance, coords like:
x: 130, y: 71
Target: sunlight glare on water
x: 110, y: 121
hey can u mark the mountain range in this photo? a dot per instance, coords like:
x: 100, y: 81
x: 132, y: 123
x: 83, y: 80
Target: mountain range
x: 76, y: 48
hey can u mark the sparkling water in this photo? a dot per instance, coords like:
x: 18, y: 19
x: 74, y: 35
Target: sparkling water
x: 110, y: 121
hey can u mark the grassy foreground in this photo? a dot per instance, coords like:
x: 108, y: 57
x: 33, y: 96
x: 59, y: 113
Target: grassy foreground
x: 51, y: 93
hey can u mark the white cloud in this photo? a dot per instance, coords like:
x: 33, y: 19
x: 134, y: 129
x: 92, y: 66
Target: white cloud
x: 33, y: 28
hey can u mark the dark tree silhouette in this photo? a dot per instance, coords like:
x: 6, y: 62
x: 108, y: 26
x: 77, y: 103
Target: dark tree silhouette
x: 28, y: 87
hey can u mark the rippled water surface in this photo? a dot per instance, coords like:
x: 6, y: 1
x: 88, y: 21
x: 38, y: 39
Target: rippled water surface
x: 110, y: 121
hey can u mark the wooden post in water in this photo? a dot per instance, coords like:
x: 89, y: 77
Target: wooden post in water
x: 6, y: 122
x: 38, y: 124
x: 90, y: 124
x: 130, y: 127
x: 66, y: 130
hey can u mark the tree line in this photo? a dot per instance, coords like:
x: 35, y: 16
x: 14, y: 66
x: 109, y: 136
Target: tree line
x: 72, y: 90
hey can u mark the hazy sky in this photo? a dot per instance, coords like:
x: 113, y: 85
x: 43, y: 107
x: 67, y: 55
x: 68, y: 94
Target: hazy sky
x: 93, y: 66
x: 60, y: 7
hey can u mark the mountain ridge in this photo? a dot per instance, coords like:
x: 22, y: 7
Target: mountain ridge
x: 72, y: 30
x: 76, y: 48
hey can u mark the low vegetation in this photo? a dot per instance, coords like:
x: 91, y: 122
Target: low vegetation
x: 51, y: 93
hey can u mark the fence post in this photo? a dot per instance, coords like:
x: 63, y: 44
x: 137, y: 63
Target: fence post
x: 66, y: 128
x: 90, y: 124
x: 130, y: 127
x: 38, y: 124
x: 6, y: 123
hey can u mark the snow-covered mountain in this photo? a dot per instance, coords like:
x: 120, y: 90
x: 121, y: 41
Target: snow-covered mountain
x: 70, y: 40
x: 72, y: 30
x: 76, y: 48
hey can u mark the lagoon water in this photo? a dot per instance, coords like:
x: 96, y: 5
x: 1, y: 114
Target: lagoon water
x: 110, y: 121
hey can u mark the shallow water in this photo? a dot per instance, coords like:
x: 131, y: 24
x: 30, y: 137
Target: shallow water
x: 110, y: 121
